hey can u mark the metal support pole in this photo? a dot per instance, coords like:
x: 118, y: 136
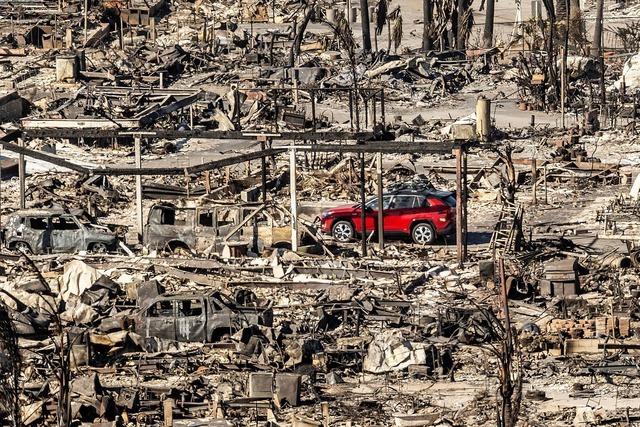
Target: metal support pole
x: 363, y: 217
x: 86, y: 12
x: 563, y: 84
x: 313, y: 109
x: 534, y: 180
x: 459, y: 208
x: 465, y: 224
x: 21, y: 174
x: 294, y: 201
x: 544, y: 174
x: 263, y: 164
x: 382, y: 110
x: 138, y: 155
x: 380, y: 202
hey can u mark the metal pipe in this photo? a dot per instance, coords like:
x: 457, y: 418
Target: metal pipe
x: 380, y: 202
x: 363, y: 217
x: 138, y: 156
x: 459, y: 213
x: 294, y: 200
x: 21, y: 175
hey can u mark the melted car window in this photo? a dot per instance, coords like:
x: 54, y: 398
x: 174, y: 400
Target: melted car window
x: 189, y: 308
x: 62, y: 223
x: 38, y: 223
x: 205, y: 219
x: 225, y: 216
x: 161, y: 309
x: 171, y: 216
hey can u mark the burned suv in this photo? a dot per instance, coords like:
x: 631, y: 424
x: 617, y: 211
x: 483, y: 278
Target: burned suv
x: 206, y: 317
x: 54, y: 230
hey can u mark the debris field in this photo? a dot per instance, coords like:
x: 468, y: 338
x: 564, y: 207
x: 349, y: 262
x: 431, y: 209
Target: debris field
x: 319, y: 213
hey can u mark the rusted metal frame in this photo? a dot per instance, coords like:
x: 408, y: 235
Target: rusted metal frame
x: 67, y: 132
x: 390, y: 147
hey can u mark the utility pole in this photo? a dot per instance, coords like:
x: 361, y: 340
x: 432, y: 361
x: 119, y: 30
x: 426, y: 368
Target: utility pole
x: 488, y: 23
x: 366, y: 27
x: 427, y: 22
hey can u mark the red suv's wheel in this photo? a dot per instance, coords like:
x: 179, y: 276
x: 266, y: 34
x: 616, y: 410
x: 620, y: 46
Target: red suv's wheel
x: 342, y: 231
x: 423, y: 234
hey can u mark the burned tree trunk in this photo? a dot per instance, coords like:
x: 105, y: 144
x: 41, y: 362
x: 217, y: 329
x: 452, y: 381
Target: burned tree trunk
x: 597, y: 31
x: 427, y: 18
x: 300, y: 30
x: 460, y: 28
x: 552, y: 74
x: 366, y: 31
x: 488, y: 24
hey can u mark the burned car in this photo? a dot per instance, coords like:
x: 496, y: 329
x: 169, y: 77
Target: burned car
x: 208, y: 229
x: 199, y: 317
x: 55, y: 230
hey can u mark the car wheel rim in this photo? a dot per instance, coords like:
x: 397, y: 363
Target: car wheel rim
x: 342, y: 232
x: 422, y: 235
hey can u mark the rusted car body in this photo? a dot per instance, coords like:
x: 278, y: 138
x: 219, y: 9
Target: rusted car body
x: 207, y: 229
x: 198, y: 317
x: 55, y: 230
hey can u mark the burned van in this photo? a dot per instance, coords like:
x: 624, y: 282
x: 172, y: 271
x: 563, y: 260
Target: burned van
x: 208, y: 229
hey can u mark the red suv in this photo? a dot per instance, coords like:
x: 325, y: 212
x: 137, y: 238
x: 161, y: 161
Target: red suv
x: 422, y: 215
